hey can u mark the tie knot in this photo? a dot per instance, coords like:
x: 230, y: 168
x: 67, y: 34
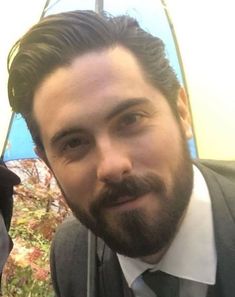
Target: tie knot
x: 161, y: 283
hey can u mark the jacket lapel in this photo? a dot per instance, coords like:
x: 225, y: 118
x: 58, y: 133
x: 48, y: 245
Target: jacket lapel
x: 222, y: 193
x: 112, y: 283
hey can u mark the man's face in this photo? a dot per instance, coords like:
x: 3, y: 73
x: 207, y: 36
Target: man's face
x: 117, y: 151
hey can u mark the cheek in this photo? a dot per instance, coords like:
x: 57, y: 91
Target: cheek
x: 76, y: 184
x: 160, y: 148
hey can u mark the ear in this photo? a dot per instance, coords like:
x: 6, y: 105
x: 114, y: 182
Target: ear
x: 42, y: 155
x: 184, y: 113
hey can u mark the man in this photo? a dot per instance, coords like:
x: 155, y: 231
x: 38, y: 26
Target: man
x: 7, y: 180
x: 111, y: 120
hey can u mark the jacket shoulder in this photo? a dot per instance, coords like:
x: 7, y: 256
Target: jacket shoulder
x: 220, y: 179
x: 68, y: 259
x: 69, y: 252
x: 221, y: 167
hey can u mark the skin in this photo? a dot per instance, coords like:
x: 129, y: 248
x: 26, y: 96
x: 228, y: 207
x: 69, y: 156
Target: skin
x: 100, y: 122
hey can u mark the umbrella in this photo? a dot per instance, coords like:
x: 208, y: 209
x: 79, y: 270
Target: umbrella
x: 164, y: 19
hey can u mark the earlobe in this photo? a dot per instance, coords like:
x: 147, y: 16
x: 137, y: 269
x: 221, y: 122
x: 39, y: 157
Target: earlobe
x: 184, y: 113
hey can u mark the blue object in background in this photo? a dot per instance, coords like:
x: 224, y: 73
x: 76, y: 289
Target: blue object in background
x: 20, y: 144
x: 192, y: 148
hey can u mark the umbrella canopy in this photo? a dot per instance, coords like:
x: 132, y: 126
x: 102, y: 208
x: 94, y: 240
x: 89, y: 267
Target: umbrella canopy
x: 188, y: 48
x: 205, y: 34
x: 15, y: 18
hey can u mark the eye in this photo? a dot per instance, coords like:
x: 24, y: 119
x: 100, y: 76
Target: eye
x: 75, y: 142
x: 75, y: 147
x: 130, y: 119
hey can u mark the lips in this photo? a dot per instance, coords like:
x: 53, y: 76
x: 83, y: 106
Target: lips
x: 119, y: 197
x: 127, y: 193
x: 122, y: 200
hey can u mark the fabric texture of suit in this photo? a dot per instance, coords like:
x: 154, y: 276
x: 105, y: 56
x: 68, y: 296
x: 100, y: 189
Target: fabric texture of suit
x: 69, y: 247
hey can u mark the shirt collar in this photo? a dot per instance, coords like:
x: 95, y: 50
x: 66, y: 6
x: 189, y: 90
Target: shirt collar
x: 192, y: 254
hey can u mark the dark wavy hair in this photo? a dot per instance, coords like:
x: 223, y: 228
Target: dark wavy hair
x: 57, y: 39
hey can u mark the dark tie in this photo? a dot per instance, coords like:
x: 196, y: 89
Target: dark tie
x: 162, y: 284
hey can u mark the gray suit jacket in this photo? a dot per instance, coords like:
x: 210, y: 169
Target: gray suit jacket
x: 69, y: 247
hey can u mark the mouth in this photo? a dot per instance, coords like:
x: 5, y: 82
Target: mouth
x: 126, y: 202
x: 123, y: 199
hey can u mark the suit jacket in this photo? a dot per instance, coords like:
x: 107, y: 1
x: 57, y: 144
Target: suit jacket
x: 69, y: 247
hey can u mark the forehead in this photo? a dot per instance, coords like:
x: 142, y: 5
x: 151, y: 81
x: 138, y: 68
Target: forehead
x: 89, y: 87
x: 93, y: 69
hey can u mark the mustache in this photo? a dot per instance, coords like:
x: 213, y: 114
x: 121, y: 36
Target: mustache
x: 132, y: 186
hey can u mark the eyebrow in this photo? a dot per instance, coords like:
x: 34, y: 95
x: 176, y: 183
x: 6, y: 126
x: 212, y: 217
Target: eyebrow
x: 125, y: 105
x: 114, y: 112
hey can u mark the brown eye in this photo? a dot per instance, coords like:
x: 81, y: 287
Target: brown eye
x: 76, y: 142
x: 130, y: 119
x: 75, y: 147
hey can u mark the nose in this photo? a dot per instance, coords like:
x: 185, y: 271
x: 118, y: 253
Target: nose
x: 114, y: 163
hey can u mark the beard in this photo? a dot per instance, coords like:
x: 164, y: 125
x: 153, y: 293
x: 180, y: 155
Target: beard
x: 136, y: 232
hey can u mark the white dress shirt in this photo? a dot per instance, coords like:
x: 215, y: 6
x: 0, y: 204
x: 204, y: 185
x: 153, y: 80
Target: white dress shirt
x: 192, y: 254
